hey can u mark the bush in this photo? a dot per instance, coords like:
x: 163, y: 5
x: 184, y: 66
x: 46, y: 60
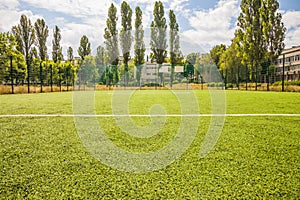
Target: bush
x: 287, y: 83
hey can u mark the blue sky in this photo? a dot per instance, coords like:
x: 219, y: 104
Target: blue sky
x: 203, y: 23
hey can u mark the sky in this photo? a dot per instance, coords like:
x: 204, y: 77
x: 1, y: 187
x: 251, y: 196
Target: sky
x: 203, y: 23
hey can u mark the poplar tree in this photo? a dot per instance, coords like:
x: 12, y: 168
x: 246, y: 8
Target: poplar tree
x: 139, y: 45
x: 174, y: 43
x: 250, y: 35
x: 42, y: 32
x: 158, y: 41
x: 25, y: 37
x: 70, y: 54
x: 126, y: 37
x: 56, y: 48
x: 111, y: 43
x: 85, y: 47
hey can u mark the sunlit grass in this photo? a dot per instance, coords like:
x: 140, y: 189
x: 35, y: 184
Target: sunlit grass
x: 255, y: 157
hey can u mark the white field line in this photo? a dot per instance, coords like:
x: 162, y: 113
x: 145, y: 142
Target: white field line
x: 144, y: 115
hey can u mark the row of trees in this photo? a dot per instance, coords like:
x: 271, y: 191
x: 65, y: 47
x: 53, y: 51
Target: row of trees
x: 258, y: 42
x: 158, y: 41
x: 30, y: 40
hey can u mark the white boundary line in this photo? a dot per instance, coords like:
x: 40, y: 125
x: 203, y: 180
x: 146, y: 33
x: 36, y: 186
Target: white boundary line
x: 154, y: 115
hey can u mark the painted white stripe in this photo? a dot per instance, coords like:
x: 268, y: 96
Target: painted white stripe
x: 154, y: 115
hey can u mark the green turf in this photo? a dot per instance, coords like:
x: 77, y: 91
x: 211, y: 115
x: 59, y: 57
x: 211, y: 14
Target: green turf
x: 255, y: 157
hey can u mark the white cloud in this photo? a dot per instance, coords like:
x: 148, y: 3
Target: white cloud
x: 213, y: 26
x: 291, y: 20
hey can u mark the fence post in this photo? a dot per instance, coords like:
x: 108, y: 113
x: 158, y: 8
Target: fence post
x: 283, y: 72
x: 238, y: 77
x: 247, y: 75
x: 67, y: 76
x: 268, y: 77
x: 11, y: 74
x: 51, y: 78
x: 41, y: 76
x: 256, y: 80
x: 28, y: 76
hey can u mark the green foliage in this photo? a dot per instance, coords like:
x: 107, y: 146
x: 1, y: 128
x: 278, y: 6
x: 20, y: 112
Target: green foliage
x: 175, y: 53
x: 56, y: 48
x: 158, y: 40
x: 88, y: 74
x: 84, y: 48
x: 70, y: 54
x: 125, y: 34
x: 25, y: 37
x: 139, y: 45
x: 126, y: 37
x: 273, y: 28
x: 111, y: 36
x: 287, y: 83
x: 216, y: 53
x: 191, y: 58
x: 8, y: 47
x: 42, y: 32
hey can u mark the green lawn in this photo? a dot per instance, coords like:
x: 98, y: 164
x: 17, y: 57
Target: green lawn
x: 255, y: 157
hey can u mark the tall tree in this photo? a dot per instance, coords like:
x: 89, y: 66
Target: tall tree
x: 111, y: 41
x: 174, y: 43
x: 25, y: 37
x: 273, y: 28
x: 100, y: 56
x: 191, y: 58
x: 56, y: 48
x: 42, y: 32
x: 8, y: 48
x: 125, y: 36
x: 100, y: 62
x: 70, y: 54
x: 158, y: 41
x: 216, y: 53
x: 250, y: 35
x: 273, y: 31
x: 85, y: 47
x: 139, y: 45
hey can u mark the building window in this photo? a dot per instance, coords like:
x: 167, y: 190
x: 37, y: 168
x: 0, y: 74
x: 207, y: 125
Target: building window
x: 297, y: 58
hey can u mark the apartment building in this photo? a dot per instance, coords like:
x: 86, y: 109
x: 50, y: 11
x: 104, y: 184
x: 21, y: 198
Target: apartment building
x: 291, y: 63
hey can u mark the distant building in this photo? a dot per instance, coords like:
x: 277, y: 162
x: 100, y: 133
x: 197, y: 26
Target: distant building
x: 292, y: 64
x: 150, y: 72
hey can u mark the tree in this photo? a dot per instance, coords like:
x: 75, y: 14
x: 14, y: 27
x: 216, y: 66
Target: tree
x: 273, y: 32
x: 273, y: 28
x: 42, y: 32
x: 216, y: 53
x: 191, y: 58
x: 111, y: 42
x: 250, y: 35
x: 174, y: 43
x: 85, y: 47
x: 139, y: 46
x: 70, y: 54
x: 8, y: 50
x: 100, y: 62
x: 25, y: 37
x: 56, y: 48
x: 125, y: 36
x: 158, y: 41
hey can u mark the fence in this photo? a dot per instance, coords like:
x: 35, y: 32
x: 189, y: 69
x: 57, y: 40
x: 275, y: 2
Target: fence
x: 36, y: 78
x: 43, y: 77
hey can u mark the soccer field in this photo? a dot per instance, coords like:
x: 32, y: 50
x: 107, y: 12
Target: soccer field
x: 257, y: 155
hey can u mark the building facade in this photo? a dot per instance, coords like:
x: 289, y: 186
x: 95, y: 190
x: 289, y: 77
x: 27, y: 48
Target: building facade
x: 291, y: 64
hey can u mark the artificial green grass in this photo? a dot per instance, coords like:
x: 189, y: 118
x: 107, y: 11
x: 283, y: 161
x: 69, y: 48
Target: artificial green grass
x: 255, y: 157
